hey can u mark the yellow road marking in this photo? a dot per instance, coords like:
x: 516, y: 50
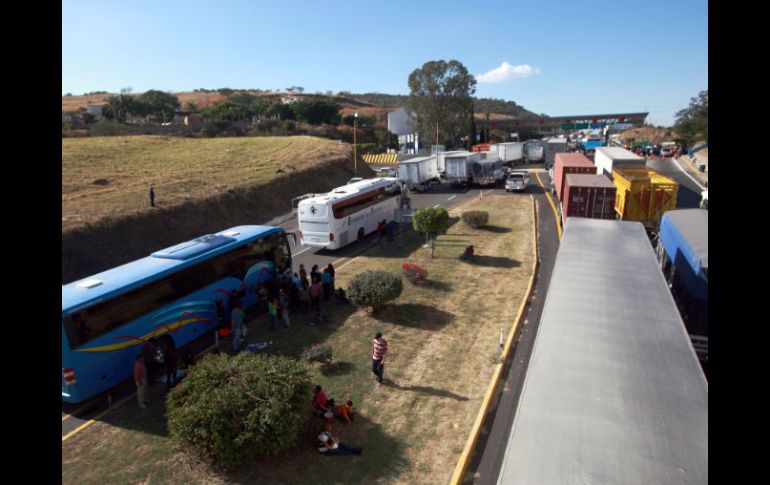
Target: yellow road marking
x: 93, y: 420
x: 550, y: 201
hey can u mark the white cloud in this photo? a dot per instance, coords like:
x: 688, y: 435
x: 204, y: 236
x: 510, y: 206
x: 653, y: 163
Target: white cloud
x: 507, y: 72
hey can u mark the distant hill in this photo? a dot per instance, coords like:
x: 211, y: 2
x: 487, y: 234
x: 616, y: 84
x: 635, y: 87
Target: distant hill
x: 367, y: 103
x: 480, y: 105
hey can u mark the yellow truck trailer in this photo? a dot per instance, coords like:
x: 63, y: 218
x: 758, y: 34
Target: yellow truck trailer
x: 643, y: 195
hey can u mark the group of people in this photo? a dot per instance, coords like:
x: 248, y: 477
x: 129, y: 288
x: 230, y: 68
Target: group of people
x: 326, y: 409
x: 289, y: 292
x: 145, y: 371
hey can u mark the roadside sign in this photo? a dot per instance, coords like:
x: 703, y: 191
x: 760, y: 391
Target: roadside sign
x: 568, y: 126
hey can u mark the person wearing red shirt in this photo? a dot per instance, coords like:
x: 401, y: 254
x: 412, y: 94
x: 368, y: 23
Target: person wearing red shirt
x: 320, y: 401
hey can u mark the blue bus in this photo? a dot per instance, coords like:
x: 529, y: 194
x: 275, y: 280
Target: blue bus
x: 161, y: 303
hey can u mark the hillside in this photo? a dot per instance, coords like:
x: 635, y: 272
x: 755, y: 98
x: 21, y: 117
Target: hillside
x: 650, y: 134
x: 201, y: 186
x: 368, y: 104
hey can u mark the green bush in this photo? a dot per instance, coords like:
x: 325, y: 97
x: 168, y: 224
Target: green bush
x: 373, y: 289
x: 230, y: 410
x: 475, y: 219
x: 317, y: 353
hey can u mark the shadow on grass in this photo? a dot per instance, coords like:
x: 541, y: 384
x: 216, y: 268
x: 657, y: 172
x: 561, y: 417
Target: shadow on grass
x: 414, y: 315
x: 425, y: 390
x: 381, y: 461
x: 437, y: 285
x: 493, y: 261
x: 495, y: 229
x: 337, y: 369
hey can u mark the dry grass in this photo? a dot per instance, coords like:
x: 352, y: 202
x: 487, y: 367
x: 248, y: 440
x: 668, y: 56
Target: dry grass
x: 443, y: 340
x: 111, y: 176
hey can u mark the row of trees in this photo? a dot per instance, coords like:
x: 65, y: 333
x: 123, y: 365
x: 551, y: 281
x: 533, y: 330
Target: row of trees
x: 244, y: 107
x: 152, y: 103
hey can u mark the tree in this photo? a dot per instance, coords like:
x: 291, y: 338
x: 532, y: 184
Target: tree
x: 160, y: 104
x: 282, y: 111
x: 126, y: 90
x: 440, y: 96
x: 388, y: 140
x: 230, y: 410
x: 432, y: 221
x: 693, y: 121
x: 317, y: 111
x: 191, y: 106
x: 122, y: 105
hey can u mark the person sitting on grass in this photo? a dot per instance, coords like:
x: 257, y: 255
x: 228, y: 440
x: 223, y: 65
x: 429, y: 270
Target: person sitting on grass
x: 328, y: 415
x: 345, y: 412
x: 320, y: 402
x: 468, y: 253
x: 341, y: 298
x: 328, y: 444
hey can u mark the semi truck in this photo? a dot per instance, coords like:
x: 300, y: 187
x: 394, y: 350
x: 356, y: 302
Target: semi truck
x: 418, y: 173
x: 565, y: 163
x: 488, y: 171
x: 643, y: 195
x: 459, y: 167
x: 552, y: 147
x: 533, y: 151
x: 510, y: 153
x: 609, y: 158
x: 587, y: 195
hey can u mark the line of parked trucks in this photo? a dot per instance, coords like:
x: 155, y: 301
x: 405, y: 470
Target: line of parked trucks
x: 617, y: 184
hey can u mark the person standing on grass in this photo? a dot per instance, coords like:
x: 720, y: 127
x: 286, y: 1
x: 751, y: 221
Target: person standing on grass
x: 381, y: 233
x: 152, y: 197
x: 236, y: 322
x: 315, y: 294
x: 330, y: 267
x: 379, y: 349
x: 171, y: 363
x: 272, y: 310
x: 304, y: 297
x: 326, y: 281
x: 140, y: 379
x: 283, y: 302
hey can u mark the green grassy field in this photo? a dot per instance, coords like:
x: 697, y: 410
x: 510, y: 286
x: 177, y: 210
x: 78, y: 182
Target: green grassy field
x: 443, y: 345
x: 111, y: 176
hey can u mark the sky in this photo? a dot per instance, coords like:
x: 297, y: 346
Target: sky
x: 557, y: 57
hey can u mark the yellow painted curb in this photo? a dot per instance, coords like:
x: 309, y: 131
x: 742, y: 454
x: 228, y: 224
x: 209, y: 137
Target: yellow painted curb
x: 465, y: 457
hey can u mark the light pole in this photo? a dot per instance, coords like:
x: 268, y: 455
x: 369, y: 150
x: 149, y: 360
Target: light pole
x: 355, y: 158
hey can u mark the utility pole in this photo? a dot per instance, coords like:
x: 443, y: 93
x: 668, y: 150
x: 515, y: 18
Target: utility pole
x: 355, y: 158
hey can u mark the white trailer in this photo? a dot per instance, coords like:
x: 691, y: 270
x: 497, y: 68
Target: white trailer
x: 418, y: 173
x: 552, y: 147
x: 441, y: 159
x: 533, y: 151
x: 509, y: 153
x: 608, y: 158
x: 459, y: 167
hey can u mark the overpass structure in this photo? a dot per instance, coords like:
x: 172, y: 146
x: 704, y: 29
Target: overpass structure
x: 560, y: 124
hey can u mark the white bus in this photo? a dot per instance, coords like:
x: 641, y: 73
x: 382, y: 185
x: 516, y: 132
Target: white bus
x: 347, y: 213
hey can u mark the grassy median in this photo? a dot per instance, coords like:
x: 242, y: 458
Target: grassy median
x: 443, y: 344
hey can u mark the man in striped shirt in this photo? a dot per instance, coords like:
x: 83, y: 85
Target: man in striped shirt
x: 379, y: 349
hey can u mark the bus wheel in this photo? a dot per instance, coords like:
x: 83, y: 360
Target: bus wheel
x: 163, y: 347
x: 361, y: 234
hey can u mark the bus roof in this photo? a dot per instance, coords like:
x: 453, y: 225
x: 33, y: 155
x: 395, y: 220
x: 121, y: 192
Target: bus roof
x: 614, y: 392
x: 687, y: 231
x: 125, y: 277
x: 351, y: 190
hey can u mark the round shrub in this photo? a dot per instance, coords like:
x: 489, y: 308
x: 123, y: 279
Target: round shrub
x: 230, y: 410
x: 373, y: 289
x: 317, y: 353
x: 475, y: 219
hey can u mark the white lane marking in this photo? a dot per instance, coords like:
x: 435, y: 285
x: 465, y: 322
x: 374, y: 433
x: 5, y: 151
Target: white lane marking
x: 685, y: 172
x: 436, y: 206
x: 451, y: 198
x: 306, y: 249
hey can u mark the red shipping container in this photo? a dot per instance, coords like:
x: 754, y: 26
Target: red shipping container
x: 565, y: 163
x: 590, y: 196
